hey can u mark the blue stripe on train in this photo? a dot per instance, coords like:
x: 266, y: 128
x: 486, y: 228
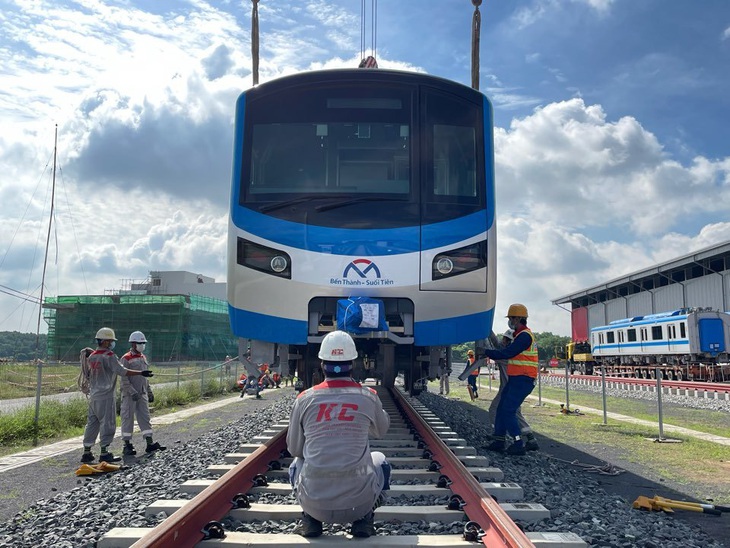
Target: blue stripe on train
x: 431, y: 333
x: 360, y: 241
x: 634, y: 345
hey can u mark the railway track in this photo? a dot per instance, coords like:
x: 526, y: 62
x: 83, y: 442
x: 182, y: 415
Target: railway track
x: 705, y: 390
x: 436, y: 479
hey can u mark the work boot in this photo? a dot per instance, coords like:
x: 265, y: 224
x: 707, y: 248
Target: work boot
x: 152, y: 447
x: 517, y: 449
x: 108, y: 457
x: 87, y: 457
x: 310, y: 527
x: 497, y: 445
x: 531, y: 444
x: 363, y: 527
x: 129, y: 449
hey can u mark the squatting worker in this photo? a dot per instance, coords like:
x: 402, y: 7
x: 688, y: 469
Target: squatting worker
x: 102, y: 416
x: 335, y: 476
x: 530, y: 441
x: 136, y: 396
x: 522, y: 368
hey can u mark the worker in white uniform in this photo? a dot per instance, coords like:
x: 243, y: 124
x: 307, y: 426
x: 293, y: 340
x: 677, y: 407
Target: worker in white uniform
x: 136, y: 397
x: 104, y: 367
x: 335, y: 476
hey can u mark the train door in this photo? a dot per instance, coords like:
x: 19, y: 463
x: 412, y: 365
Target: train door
x: 672, y: 344
x: 712, y: 338
x: 643, y: 339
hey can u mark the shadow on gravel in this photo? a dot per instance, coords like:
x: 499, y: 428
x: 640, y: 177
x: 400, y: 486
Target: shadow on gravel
x: 630, y: 486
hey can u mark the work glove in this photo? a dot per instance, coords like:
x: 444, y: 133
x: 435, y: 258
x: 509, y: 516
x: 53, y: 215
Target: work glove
x: 150, y: 397
x: 135, y: 397
x: 147, y: 373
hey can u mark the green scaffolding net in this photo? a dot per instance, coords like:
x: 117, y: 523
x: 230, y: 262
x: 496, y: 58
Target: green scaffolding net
x: 177, y: 327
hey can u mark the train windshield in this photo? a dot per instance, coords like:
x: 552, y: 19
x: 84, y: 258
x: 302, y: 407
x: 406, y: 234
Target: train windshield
x: 354, y: 156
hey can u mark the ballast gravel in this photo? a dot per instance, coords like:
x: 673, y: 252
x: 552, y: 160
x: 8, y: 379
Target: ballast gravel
x: 576, y: 500
x: 79, y: 517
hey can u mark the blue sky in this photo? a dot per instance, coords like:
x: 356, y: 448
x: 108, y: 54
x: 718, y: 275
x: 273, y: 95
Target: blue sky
x: 612, y: 151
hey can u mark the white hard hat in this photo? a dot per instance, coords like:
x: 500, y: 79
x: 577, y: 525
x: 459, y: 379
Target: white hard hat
x: 337, y: 346
x: 137, y: 337
x: 106, y: 334
x: 509, y: 334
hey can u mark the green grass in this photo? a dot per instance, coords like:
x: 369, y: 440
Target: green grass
x: 58, y: 421
x: 699, y: 468
x: 710, y: 422
x: 19, y: 380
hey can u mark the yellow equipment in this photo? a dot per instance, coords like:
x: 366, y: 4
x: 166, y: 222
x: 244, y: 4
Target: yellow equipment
x: 668, y: 505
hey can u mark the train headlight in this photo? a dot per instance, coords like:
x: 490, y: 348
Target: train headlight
x: 279, y: 264
x: 459, y: 261
x: 264, y: 259
x: 445, y: 265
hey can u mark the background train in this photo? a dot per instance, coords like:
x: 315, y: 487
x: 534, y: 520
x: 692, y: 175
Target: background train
x: 686, y: 344
x: 362, y: 199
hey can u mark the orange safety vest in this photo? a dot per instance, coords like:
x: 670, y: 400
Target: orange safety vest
x: 526, y: 363
x: 471, y: 361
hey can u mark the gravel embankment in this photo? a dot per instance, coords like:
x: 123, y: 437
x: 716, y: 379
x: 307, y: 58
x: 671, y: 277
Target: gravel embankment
x: 77, y: 517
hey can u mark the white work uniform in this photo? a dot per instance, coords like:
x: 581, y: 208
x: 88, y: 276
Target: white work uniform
x: 135, y: 386
x: 334, y: 474
x: 102, y: 415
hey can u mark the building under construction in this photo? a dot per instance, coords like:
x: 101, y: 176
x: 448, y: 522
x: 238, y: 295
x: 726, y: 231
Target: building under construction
x: 183, y: 315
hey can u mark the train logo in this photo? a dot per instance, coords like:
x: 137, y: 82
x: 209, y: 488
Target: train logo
x: 363, y: 272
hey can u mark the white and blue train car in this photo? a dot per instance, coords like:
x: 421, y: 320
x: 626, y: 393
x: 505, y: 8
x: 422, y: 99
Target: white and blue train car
x: 362, y: 190
x: 690, y: 344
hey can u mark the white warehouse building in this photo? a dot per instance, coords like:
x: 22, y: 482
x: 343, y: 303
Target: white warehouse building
x: 696, y: 280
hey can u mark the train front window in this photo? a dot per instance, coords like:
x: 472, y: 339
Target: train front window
x: 386, y: 153
x: 344, y: 158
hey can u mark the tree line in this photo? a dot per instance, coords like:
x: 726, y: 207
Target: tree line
x: 548, y: 346
x: 21, y: 347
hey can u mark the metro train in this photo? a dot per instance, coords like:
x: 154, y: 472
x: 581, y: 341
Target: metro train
x: 363, y: 200
x: 686, y: 344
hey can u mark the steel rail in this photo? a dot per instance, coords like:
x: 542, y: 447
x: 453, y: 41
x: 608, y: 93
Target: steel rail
x: 682, y: 385
x: 479, y: 506
x: 184, y: 528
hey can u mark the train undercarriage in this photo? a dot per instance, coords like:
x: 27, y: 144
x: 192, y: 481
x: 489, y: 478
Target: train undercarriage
x: 378, y: 359
x: 691, y: 369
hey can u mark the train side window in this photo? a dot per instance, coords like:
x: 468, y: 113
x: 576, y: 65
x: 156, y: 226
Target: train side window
x: 454, y: 155
x: 682, y: 330
x: 656, y: 333
x: 453, y: 126
x: 631, y: 335
x: 609, y: 337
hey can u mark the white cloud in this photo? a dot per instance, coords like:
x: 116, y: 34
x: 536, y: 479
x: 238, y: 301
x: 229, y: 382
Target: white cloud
x: 567, y: 159
x: 566, y: 171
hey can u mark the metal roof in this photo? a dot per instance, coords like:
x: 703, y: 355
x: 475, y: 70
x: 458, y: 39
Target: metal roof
x: 711, y: 252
